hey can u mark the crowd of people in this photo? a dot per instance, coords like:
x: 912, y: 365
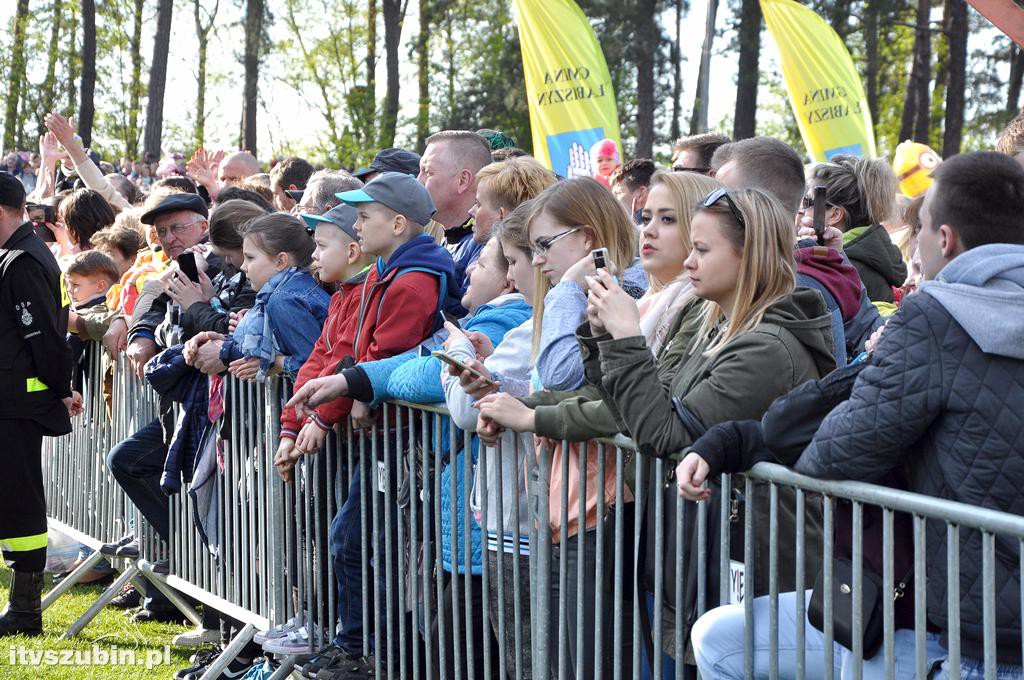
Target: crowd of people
x: 736, y: 307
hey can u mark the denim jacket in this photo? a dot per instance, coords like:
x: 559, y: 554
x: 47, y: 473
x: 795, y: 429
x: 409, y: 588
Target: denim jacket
x: 296, y: 311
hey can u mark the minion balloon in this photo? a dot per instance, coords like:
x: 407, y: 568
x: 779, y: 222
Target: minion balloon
x: 913, y: 164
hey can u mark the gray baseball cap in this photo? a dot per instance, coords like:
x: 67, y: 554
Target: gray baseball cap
x: 400, y: 192
x: 342, y: 216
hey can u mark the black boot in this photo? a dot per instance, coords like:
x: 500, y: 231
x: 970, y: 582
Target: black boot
x: 24, y: 613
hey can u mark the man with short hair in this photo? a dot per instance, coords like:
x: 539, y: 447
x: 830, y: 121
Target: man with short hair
x: 320, y: 194
x: 1011, y: 139
x: 940, y: 400
x: 35, y: 400
x: 693, y: 154
x: 630, y: 184
x: 762, y: 163
x: 291, y: 174
x: 448, y: 170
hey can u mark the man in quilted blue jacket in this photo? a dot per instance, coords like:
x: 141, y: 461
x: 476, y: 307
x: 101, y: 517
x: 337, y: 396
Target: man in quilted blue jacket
x: 942, y: 397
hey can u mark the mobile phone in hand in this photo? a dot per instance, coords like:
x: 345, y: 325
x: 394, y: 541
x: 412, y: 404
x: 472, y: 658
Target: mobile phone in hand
x: 187, y: 264
x: 820, y: 206
x: 452, y: 361
x: 600, y: 256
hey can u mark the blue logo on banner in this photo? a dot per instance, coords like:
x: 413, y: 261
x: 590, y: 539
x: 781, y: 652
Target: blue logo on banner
x: 851, y: 150
x: 570, y: 152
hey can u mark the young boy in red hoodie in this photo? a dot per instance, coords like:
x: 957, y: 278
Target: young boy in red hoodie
x: 389, y: 308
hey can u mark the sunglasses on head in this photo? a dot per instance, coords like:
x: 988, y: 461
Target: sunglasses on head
x: 717, y: 195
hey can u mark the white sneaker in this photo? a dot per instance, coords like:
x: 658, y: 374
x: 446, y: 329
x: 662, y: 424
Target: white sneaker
x: 279, y: 630
x: 294, y: 642
x: 196, y: 638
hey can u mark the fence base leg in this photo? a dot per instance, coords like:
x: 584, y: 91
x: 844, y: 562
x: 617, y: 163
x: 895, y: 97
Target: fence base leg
x: 284, y: 670
x: 108, y: 595
x: 171, y: 594
x: 230, y: 652
x: 72, y: 578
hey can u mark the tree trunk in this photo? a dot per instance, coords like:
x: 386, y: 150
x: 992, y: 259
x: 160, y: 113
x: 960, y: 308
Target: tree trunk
x: 646, y: 25
x: 158, y: 79
x: 371, y: 64
x: 923, y: 70
x: 53, y: 53
x: 16, y: 75
x: 871, y: 57
x: 423, y: 76
x: 203, y: 36
x: 86, y: 105
x: 677, y: 74
x: 745, y: 124
x: 956, y: 29
x: 135, y: 95
x: 394, y: 15
x: 74, y: 62
x: 699, y: 120
x: 251, y: 61
x: 1014, y: 84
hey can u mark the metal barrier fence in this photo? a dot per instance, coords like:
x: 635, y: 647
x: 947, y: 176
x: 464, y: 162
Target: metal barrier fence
x: 400, y: 512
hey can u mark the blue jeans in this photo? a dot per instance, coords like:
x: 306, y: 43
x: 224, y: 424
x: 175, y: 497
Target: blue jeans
x: 346, y: 545
x: 974, y: 669
x: 137, y: 463
x: 718, y: 645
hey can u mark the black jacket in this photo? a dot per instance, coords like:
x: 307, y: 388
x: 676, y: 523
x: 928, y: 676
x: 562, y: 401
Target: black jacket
x: 937, y: 407
x: 35, y: 359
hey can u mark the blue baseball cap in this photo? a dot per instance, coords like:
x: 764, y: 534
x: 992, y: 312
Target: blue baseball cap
x: 392, y: 160
x: 395, y: 190
x: 342, y: 216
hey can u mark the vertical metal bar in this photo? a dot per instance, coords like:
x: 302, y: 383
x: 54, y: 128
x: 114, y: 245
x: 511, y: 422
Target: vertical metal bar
x: 442, y: 628
x: 858, y: 592
x: 483, y: 460
x: 541, y: 595
x: 953, y: 598
x: 399, y: 467
x: 517, y: 543
x: 659, y: 567
x: 988, y: 579
x: 800, y: 586
x: 639, y: 493
x: 581, y: 562
x: 599, y: 567
x: 389, y: 557
x: 920, y: 595
x: 748, y: 580
x: 888, y: 600
x: 617, y: 588
x: 828, y: 529
x: 499, y: 499
x: 773, y: 583
x: 467, y: 538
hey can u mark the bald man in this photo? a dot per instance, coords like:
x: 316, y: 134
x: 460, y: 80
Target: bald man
x: 237, y: 167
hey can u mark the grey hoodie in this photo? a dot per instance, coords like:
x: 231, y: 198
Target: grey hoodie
x: 983, y: 289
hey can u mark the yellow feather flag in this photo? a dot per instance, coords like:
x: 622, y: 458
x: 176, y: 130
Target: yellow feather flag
x: 572, y: 104
x: 824, y: 87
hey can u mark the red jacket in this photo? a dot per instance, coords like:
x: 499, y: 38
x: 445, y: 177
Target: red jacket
x: 368, y: 319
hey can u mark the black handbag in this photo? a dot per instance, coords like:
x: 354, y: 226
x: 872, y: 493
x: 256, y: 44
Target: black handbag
x: 842, y: 605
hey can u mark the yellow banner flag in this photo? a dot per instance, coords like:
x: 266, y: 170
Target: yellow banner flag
x: 572, y: 104
x: 824, y: 87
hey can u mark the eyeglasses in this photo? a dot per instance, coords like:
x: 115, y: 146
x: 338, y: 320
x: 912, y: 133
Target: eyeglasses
x: 717, y: 195
x: 542, y: 245
x: 175, y: 229
x: 306, y: 210
x: 683, y: 168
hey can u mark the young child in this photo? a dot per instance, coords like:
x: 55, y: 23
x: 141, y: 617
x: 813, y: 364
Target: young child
x: 278, y: 332
x: 88, y: 277
x: 604, y: 161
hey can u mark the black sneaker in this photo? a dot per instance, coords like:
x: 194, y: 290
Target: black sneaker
x: 130, y: 550
x: 310, y: 664
x: 110, y: 549
x: 234, y: 670
x: 200, y: 660
x: 128, y: 599
x: 349, y: 669
x: 159, y: 615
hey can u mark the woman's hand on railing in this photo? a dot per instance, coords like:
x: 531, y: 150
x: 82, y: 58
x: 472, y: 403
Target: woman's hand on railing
x: 488, y: 430
x: 691, y: 473
x: 615, y: 309
x: 507, y: 411
x: 317, y: 391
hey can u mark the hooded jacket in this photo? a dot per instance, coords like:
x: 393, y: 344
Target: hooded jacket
x: 941, y: 400
x: 877, y: 259
x: 386, y: 310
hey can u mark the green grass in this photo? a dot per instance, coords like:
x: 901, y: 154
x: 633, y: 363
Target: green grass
x: 111, y: 627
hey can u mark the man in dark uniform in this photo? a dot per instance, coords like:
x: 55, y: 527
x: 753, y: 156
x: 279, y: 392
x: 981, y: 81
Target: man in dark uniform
x: 35, y: 399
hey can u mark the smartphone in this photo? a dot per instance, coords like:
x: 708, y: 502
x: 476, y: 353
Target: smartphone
x: 600, y: 256
x: 452, y: 361
x: 819, y: 214
x: 39, y: 213
x: 450, y: 318
x: 187, y: 264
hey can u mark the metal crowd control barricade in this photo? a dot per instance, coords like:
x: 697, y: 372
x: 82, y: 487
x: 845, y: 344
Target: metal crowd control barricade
x: 607, y: 581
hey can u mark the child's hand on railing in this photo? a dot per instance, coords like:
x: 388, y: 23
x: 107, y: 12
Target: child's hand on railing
x: 234, y: 318
x: 691, y: 473
x: 284, y: 461
x: 311, y: 438
x: 363, y: 417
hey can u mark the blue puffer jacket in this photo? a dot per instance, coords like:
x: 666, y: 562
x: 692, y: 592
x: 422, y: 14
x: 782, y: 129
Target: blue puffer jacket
x: 461, y: 494
x: 417, y: 379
